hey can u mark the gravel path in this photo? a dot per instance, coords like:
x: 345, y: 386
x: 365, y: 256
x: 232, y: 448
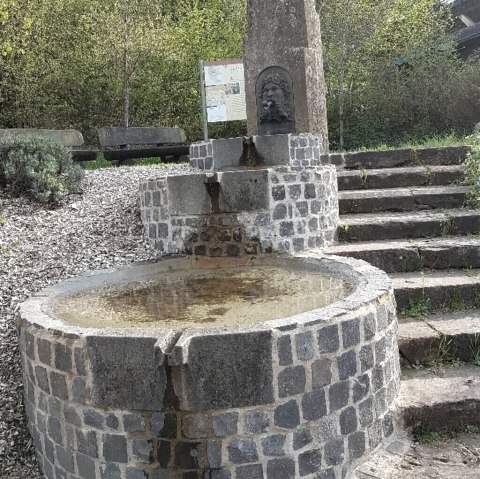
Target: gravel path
x: 98, y: 229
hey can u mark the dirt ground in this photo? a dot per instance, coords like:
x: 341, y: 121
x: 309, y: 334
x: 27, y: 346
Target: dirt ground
x: 456, y: 458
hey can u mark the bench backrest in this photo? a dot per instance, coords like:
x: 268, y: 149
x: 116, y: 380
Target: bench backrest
x: 112, y: 136
x: 66, y: 137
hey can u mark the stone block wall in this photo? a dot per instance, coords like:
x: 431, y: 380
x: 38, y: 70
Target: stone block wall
x: 297, y: 150
x: 298, y: 212
x: 324, y: 384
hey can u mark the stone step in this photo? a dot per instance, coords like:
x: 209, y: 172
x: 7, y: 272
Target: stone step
x: 401, y: 199
x: 441, y: 400
x: 399, y: 177
x: 441, y: 337
x: 452, y: 155
x: 415, y: 254
x: 383, y: 226
x: 437, y: 290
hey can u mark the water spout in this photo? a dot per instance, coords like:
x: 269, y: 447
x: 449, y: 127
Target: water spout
x: 212, y: 183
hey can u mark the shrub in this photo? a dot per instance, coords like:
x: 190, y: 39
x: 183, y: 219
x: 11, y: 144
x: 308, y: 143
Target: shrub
x: 38, y: 167
x: 472, y: 170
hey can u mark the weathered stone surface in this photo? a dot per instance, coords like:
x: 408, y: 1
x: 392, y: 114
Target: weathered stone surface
x: 293, y: 35
x: 314, y: 405
x: 377, y: 159
x: 309, y: 462
x: 86, y: 467
x: 93, y: 418
x: 142, y: 450
x: 287, y: 415
x: 328, y: 339
x: 273, y: 149
x: 227, y: 152
x: 114, y: 448
x: 87, y: 443
x: 133, y: 423
x: 281, y: 469
x: 196, y: 426
x: 348, y: 420
x: 347, y: 365
x: 338, y: 394
x: 44, y: 351
x: 189, y: 455
x: 228, y: 370
x: 301, y: 437
x: 244, y: 191
x: 197, y: 202
x: 291, y: 381
x: 274, y: 445
x: 334, y: 452
x: 401, y: 199
x: 63, y: 357
x: 356, y: 444
x: 437, y: 286
x: 250, y: 471
x: 58, y: 384
x: 443, y: 402
x: 242, y: 450
x: 225, y: 424
x: 115, y: 362
x: 399, y: 177
x: 304, y: 346
x: 321, y: 373
x: 381, y: 226
x: 256, y: 422
x: 66, y: 137
x: 118, y: 136
x: 214, y: 454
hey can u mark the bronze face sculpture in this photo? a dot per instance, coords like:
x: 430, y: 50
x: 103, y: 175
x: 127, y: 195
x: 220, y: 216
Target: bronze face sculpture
x: 275, y: 102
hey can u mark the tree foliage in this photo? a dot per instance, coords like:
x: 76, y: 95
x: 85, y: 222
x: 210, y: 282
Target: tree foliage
x: 391, y: 69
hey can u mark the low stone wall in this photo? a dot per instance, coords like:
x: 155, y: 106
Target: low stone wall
x: 296, y: 150
x: 281, y: 209
x: 302, y: 397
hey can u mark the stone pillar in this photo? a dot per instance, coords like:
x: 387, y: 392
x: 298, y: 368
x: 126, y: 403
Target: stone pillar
x: 283, y: 51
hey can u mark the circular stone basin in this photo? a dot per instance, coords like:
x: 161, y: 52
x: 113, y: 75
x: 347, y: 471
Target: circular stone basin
x: 204, y: 295
x: 212, y: 368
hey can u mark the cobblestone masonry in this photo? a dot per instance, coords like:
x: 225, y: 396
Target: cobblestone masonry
x: 299, y: 212
x: 296, y: 150
x: 328, y: 380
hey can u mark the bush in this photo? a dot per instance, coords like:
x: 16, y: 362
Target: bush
x: 38, y: 167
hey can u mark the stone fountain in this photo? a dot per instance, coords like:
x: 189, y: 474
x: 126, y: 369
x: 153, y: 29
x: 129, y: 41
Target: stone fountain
x: 245, y: 353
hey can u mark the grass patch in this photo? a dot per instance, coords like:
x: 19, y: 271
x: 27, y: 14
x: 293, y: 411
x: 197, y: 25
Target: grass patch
x: 453, y: 301
x: 475, y: 349
x: 418, y: 307
x: 436, y: 141
x: 423, y: 433
x: 101, y: 162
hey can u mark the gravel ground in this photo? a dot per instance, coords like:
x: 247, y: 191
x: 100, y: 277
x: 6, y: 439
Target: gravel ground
x: 97, y: 229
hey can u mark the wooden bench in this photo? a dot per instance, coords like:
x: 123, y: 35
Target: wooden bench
x: 122, y: 145
x: 69, y: 138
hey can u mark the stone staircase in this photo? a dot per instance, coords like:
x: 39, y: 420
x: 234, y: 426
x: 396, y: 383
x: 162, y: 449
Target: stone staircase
x: 403, y: 212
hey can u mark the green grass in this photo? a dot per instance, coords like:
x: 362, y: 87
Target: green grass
x: 101, y: 162
x: 418, y: 307
x: 451, y: 139
x: 424, y: 435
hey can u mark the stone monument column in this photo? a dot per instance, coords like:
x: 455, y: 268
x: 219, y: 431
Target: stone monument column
x: 284, y: 82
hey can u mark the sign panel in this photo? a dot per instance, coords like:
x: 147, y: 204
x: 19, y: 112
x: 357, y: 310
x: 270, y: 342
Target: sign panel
x: 224, y: 90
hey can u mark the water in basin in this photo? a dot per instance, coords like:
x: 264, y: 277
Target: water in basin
x: 203, y: 298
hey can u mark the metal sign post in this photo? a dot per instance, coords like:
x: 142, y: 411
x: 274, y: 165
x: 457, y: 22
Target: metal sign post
x: 204, y: 102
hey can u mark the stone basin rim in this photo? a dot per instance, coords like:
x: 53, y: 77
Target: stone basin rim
x: 367, y: 284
